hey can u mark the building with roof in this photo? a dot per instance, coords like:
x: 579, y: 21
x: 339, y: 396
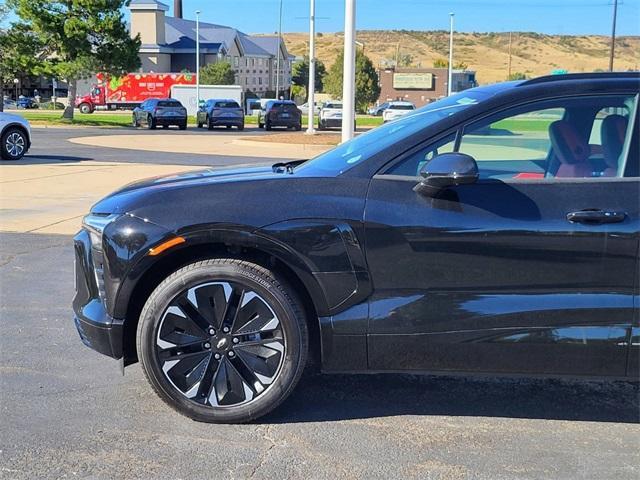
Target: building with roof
x: 169, y: 45
x: 421, y: 85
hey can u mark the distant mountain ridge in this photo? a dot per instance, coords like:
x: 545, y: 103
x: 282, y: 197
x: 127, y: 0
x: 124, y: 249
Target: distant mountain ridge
x: 533, y: 54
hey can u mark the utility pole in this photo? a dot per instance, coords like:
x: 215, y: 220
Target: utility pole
x: 613, y: 35
x: 311, y: 97
x: 197, y: 60
x: 278, y: 57
x: 450, y: 80
x: 509, y: 67
x: 349, y: 73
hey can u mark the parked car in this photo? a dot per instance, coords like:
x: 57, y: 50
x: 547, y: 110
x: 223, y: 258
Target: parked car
x: 220, y: 113
x: 396, y: 110
x: 330, y: 115
x: 160, y: 111
x: 377, y: 110
x: 494, y: 231
x: 15, y: 136
x: 26, y: 103
x: 304, y: 108
x: 9, y: 104
x: 280, y: 113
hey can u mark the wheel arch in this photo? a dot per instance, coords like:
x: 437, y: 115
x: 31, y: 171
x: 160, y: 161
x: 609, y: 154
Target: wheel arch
x: 20, y: 127
x: 240, y: 245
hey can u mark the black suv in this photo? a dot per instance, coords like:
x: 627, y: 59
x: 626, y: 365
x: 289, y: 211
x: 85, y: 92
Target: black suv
x: 495, y: 231
x: 280, y: 113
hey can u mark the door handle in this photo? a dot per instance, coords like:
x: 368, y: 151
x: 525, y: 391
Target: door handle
x: 596, y: 216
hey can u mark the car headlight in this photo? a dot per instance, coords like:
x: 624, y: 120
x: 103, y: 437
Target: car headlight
x: 95, y: 223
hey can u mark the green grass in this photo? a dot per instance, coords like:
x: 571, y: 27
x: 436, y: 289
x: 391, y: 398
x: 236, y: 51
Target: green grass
x: 524, y: 125
x: 123, y: 119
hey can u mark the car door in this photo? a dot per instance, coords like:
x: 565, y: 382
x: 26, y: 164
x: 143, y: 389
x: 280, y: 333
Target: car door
x: 530, y: 270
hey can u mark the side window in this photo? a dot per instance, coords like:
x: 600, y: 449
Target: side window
x: 516, y: 146
x: 573, y: 137
x: 411, y: 165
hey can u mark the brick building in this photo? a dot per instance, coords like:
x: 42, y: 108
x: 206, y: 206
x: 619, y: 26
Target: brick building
x: 421, y: 85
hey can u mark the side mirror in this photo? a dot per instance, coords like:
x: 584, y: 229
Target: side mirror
x: 447, y: 170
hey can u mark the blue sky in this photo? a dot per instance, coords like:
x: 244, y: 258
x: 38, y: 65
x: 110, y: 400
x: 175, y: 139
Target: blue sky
x: 545, y: 16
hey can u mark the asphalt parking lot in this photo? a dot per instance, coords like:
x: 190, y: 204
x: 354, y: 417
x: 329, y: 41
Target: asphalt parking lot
x: 66, y: 412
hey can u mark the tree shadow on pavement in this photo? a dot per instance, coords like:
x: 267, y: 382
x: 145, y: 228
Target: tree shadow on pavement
x: 322, y: 398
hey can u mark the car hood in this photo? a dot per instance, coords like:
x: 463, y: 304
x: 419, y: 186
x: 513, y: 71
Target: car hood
x: 126, y: 198
x: 12, y: 117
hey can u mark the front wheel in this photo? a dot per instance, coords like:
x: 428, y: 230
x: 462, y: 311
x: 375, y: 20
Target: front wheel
x: 223, y: 340
x: 134, y: 121
x: 151, y: 123
x: 14, y: 144
x: 85, y: 108
x: 183, y: 126
x: 267, y: 126
x: 241, y: 127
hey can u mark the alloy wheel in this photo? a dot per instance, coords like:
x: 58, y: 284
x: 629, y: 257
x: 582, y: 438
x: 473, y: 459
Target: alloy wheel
x: 220, y: 344
x: 15, y: 144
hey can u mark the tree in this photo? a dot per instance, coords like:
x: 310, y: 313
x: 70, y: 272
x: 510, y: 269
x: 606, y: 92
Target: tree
x: 367, y: 86
x: 443, y: 63
x: 300, y: 74
x: 79, y: 38
x: 219, y: 73
x: 517, y: 76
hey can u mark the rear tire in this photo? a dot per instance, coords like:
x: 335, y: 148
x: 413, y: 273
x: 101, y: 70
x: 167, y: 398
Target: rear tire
x: 234, y: 367
x: 241, y: 127
x: 182, y: 126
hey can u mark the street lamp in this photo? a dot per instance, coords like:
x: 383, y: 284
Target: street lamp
x: 15, y: 83
x: 311, y: 97
x: 449, y: 85
x: 197, y: 60
x: 349, y: 73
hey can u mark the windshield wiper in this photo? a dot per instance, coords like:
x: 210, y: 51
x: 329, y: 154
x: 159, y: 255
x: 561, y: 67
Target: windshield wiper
x: 286, y: 167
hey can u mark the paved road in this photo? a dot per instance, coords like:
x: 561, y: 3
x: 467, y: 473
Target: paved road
x: 65, y: 412
x: 51, y: 145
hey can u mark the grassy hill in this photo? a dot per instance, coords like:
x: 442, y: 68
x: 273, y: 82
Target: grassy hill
x: 532, y: 54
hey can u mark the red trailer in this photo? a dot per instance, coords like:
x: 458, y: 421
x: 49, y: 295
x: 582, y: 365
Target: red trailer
x: 129, y: 91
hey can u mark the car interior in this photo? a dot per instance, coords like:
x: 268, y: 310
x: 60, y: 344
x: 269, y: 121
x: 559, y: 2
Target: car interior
x: 580, y: 137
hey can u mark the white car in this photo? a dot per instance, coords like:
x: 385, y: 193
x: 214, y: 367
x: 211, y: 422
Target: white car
x: 396, y: 110
x: 304, y: 108
x: 330, y: 115
x: 15, y: 136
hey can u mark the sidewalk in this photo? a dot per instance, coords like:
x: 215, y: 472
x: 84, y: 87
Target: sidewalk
x: 219, y: 143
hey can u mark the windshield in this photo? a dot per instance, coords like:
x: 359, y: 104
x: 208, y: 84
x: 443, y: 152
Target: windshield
x: 227, y: 105
x: 333, y: 105
x: 347, y: 155
x: 402, y: 107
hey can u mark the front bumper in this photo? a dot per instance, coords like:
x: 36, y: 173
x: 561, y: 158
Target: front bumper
x: 97, y: 329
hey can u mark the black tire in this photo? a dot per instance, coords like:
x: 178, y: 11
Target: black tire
x: 321, y: 125
x: 241, y: 127
x: 209, y: 124
x: 298, y: 127
x: 151, y: 123
x: 85, y: 108
x: 14, y: 144
x: 284, y: 317
x: 134, y: 121
x: 183, y: 126
x: 267, y: 126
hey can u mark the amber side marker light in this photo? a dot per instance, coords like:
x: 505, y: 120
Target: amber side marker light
x: 166, y: 246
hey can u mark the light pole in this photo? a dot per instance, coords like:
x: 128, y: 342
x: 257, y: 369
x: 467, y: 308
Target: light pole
x: 450, y: 80
x: 349, y: 73
x: 311, y: 98
x: 197, y: 60
x: 15, y: 84
x: 613, y: 35
x: 278, y: 57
